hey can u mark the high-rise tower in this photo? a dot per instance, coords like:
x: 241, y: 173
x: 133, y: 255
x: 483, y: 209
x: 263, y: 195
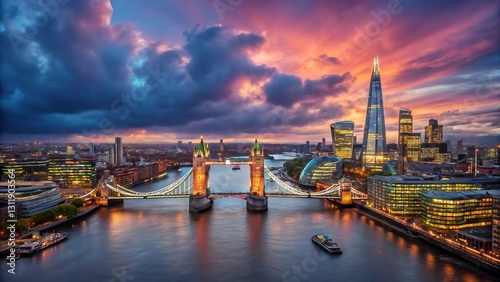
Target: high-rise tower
x: 433, y: 132
x: 119, y: 151
x: 374, y: 141
x: 342, y: 139
x: 405, y: 127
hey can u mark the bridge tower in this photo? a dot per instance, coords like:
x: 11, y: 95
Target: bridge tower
x: 257, y: 200
x: 200, y: 199
x: 345, y: 191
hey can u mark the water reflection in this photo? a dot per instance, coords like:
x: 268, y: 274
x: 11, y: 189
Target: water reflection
x: 158, y: 240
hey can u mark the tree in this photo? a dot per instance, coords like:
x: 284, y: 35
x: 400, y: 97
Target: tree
x: 78, y: 202
x: 22, y: 224
x: 296, y: 172
x: 69, y: 211
x: 38, y: 218
x: 290, y: 168
x: 49, y: 215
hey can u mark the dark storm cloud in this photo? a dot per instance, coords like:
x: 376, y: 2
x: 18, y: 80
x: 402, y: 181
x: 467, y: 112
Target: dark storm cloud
x: 78, y: 73
x: 286, y: 90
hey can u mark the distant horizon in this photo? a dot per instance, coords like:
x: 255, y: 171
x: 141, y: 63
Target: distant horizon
x: 467, y: 141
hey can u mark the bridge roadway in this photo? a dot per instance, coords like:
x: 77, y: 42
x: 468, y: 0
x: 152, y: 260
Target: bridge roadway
x: 230, y: 163
x: 224, y: 195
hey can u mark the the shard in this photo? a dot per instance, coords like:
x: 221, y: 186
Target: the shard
x: 374, y: 142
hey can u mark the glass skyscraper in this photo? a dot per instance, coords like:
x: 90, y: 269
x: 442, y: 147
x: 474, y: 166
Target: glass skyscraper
x: 433, y: 132
x: 374, y: 141
x: 408, y: 142
x: 342, y: 139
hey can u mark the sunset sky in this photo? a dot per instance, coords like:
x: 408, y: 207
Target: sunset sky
x: 282, y: 71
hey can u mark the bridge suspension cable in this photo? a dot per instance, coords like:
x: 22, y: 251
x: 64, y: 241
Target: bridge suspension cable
x: 91, y: 192
x: 163, y: 191
x: 333, y: 189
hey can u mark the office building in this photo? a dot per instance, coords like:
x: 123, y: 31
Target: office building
x: 453, y: 210
x: 342, y: 139
x: 221, y: 146
x: 326, y: 168
x: 405, y: 123
x: 118, y: 151
x: 405, y: 128
x: 433, y: 132
x: 27, y: 169
x: 33, y: 197
x: 70, y: 171
x: 401, y: 195
x: 411, y: 147
x: 496, y: 225
x: 434, y: 152
x: 374, y: 140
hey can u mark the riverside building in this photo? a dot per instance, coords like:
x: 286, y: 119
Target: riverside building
x: 33, y: 197
x: 452, y: 210
x: 401, y: 195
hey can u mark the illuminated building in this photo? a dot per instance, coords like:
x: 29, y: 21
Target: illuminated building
x: 126, y: 176
x: 429, y: 151
x: 496, y: 225
x: 411, y: 147
x: 374, y: 141
x: 405, y: 127
x: 201, y: 155
x: 433, y: 132
x: 445, y: 210
x: 33, y: 197
x: 257, y: 183
x: 31, y: 169
x: 442, y: 158
x: 405, y: 123
x: 71, y: 171
x: 118, y: 151
x: 400, y: 195
x: 342, y: 139
x: 321, y: 168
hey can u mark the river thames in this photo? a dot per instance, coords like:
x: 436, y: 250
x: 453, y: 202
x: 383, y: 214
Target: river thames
x: 158, y: 240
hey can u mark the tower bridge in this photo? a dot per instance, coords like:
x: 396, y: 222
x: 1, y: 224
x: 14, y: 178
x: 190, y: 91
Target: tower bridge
x: 194, y: 185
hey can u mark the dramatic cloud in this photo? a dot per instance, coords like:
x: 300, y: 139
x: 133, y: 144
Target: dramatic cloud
x: 164, y: 70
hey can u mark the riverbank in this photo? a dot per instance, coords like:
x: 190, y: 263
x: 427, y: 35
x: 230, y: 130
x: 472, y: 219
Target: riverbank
x: 4, y: 248
x: 471, y: 255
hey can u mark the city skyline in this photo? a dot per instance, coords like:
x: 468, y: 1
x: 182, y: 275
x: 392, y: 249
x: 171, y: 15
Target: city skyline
x: 236, y: 72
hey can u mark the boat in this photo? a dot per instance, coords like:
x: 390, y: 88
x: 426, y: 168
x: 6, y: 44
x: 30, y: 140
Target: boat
x: 327, y: 244
x: 236, y: 167
x: 27, y: 248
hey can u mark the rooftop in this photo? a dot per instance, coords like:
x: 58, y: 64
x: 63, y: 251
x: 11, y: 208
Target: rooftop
x: 21, y: 183
x: 461, y: 195
x: 408, y: 179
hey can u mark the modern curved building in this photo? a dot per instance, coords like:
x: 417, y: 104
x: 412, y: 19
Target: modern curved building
x: 34, y: 197
x: 321, y: 168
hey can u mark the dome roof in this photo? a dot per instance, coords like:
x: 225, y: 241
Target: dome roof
x: 321, y: 168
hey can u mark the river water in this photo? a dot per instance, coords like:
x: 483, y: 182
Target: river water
x: 158, y: 240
